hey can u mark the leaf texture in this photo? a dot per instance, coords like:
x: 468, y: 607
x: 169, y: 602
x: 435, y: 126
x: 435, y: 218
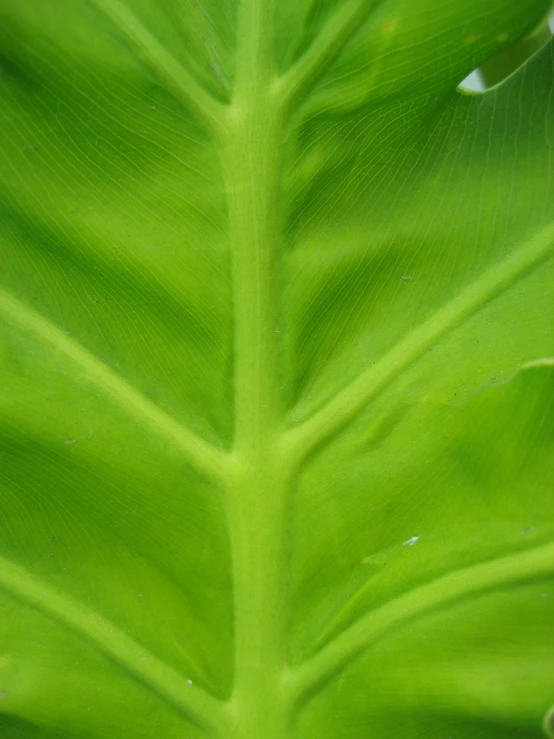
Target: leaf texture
x: 276, y: 375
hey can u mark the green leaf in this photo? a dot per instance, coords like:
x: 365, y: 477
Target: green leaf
x: 276, y: 375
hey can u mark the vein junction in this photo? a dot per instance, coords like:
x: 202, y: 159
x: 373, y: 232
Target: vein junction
x: 260, y: 469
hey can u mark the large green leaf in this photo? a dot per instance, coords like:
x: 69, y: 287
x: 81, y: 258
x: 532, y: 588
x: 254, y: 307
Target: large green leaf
x: 277, y: 439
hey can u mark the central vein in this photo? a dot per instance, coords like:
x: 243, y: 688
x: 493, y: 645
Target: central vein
x: 257, y: 496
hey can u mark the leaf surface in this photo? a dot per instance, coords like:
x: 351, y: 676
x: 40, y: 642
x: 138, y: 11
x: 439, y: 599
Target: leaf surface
x: 276, y: 375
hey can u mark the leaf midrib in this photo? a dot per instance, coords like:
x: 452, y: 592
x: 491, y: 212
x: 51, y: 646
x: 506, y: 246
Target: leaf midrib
x: 295, y: 444
x: 300, y: 682
x: 342, y: 408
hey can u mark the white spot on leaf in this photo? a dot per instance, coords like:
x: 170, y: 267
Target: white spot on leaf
x: 413, y: 540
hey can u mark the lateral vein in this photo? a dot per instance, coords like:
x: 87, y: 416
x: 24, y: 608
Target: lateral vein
x: 350, y: 401
x: 162, y: 62
x: 336, y: 33
x: 192, y: 701
x: 201, y: 454
x: 511, y: 570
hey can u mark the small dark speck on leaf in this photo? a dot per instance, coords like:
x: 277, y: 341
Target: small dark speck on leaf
x: 70, y: 441
x: 53, y: 538
x: 96, y: 302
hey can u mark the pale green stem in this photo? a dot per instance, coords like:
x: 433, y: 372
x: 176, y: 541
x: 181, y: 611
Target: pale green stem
x: 257, y: 501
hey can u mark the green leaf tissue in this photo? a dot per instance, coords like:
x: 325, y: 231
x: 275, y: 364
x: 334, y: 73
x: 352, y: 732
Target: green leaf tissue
x: 276, y: 371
